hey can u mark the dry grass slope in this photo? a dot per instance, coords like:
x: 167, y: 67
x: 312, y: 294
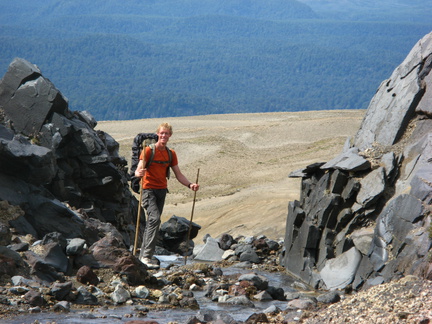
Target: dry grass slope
x: 244, y: 162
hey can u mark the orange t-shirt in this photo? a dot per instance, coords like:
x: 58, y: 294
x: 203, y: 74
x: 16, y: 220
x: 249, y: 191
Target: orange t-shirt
x: 155, y: 176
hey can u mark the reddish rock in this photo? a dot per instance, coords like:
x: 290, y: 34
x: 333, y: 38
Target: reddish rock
x: 134, y: 269
x: 85, y: 275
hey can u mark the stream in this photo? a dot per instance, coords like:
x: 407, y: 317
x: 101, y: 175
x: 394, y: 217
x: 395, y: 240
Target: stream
x: 122, y: 314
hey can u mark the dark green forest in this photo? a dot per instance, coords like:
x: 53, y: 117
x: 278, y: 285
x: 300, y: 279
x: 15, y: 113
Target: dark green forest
x: 135, y: 59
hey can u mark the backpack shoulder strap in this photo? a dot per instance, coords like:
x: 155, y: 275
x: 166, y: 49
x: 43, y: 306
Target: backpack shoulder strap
x: 153, y: 148
x: 169, y: 156
x: 168, y: 174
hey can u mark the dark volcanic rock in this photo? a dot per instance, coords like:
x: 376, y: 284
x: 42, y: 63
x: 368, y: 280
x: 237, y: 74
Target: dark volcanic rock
x: 51, y: 155
x: 380, y: 184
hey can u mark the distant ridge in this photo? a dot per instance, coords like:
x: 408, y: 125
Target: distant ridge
x: 372, y: 10
x: 269, y: 9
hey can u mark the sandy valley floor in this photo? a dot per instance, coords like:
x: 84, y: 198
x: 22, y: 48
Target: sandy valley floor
x: 243, y: 161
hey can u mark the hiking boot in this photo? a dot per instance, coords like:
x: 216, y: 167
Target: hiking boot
x: 151, y: 264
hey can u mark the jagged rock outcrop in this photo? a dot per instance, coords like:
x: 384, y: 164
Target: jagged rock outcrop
x: 364, y: 217
x: 55, y: 165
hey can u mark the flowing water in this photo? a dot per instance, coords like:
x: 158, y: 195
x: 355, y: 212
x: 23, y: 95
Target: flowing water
x: 122, y: 314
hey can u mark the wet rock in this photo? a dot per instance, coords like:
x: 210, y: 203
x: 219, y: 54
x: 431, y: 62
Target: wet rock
x: 260, y: 282
x: 120, y: 295
x: 62, y: 306
x: 211, y: 316
x: 189, y: 302
x: 238, y: 300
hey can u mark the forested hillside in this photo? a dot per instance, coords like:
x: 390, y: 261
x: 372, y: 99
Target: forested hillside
x: 137, y: 59
x: 382, y: 10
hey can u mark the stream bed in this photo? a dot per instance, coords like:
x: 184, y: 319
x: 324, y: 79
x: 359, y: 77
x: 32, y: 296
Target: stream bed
x: 122, y: 314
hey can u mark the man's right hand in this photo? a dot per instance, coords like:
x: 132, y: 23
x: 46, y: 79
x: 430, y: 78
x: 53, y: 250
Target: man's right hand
x: 139, y: 173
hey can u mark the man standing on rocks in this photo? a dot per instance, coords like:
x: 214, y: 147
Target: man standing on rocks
x: 155, y: 187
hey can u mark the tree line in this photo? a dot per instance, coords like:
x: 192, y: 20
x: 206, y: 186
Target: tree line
x: 135, y: 66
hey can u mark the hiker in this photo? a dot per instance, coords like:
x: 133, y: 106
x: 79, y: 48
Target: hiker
x: 154, y: 191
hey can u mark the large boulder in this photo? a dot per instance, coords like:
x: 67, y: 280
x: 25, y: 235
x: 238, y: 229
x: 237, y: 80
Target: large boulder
x: 363, y: 217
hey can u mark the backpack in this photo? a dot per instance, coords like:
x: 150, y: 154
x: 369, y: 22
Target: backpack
x: 141, y: 140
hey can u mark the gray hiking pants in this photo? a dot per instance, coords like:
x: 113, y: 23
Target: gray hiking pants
x: 153, y: 201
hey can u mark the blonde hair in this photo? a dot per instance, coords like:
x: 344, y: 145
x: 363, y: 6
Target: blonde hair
x: 166, y: 126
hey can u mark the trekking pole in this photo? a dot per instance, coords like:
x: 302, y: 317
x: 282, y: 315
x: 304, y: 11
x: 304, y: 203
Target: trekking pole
x: 138, y: 220
x: 190, y: 224
x: 139, y: 205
